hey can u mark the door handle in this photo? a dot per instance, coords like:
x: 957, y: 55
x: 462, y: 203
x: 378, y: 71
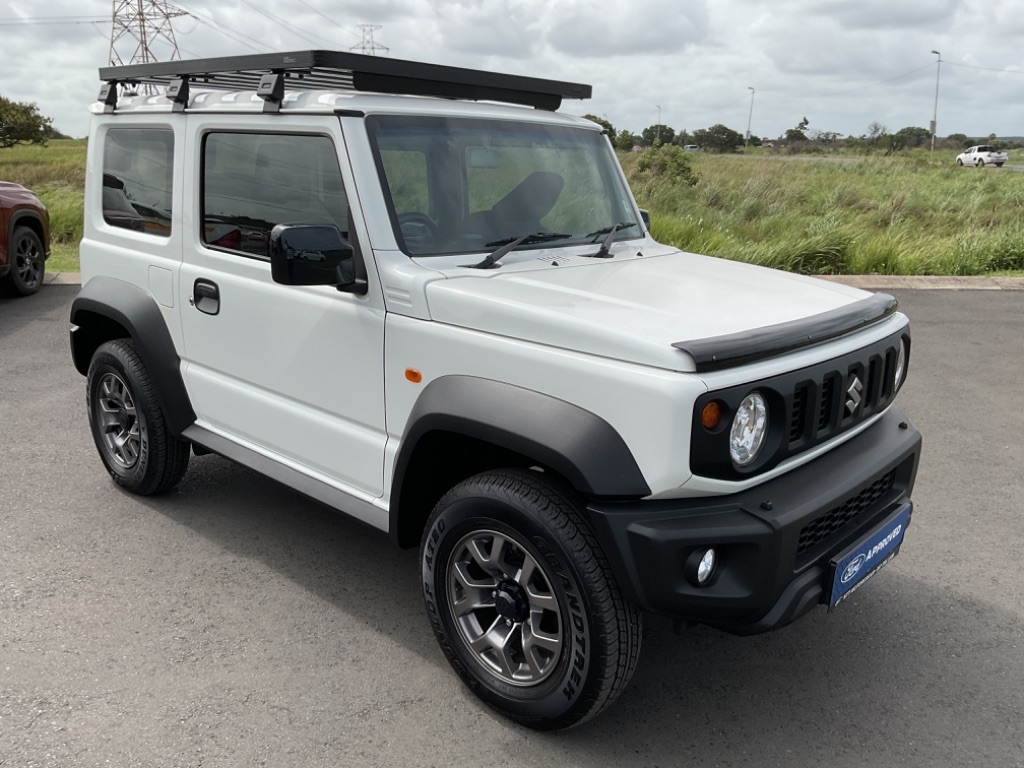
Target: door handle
x: 205, y: 296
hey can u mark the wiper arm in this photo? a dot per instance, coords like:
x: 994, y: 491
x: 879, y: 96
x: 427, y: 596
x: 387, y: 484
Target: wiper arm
x: 536, y: 237
x: 509, y: 244
x: 603, y: 252
x: 611, y: 230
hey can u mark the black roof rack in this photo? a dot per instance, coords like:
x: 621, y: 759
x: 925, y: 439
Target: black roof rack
x: 334, y: 70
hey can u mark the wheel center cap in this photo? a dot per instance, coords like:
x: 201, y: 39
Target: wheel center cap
x: 511, y: 602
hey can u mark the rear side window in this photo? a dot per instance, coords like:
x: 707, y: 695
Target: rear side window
x: 137, y: 171
x: 253, y: 181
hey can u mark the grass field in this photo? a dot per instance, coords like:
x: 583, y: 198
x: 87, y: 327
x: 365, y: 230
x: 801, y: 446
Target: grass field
x: 906, y: 215
x: 56, y: 173
x: 914, y: 214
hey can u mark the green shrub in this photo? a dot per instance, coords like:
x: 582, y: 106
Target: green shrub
x: 669, y: 162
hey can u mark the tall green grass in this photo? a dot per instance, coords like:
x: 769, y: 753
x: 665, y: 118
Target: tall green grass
x: 55, y: 172
x: 914, y: 214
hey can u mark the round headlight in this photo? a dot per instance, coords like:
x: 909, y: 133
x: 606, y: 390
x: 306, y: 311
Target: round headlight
x: 901, y: 364
x: 749, y: 429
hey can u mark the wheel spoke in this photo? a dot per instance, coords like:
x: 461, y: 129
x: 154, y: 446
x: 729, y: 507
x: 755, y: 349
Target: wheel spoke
x: 476, y: 593
x: 534, y: 638
x: 509, y: 666
x: 492, y: 646
x: 493, y: 561
x: 544, y: 600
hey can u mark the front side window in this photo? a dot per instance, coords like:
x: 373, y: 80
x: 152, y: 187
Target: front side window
x: 254, y: 181
x: 138, y: 168
x: 456, y: 185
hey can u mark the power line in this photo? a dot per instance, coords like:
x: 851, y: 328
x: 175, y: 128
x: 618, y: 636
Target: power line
x: 39, y: 20
x: 294, y: 30
x: 218, y: 27
x: 325, y: 16
x: 987, y: 69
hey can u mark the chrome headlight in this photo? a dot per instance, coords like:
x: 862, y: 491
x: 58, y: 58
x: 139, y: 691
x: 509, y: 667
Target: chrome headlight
x: 749, y: 429
x: 901, y: 365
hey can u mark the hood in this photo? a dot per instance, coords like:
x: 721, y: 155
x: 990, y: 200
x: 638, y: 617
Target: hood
x: 12, y: 194
x: 635, y: 308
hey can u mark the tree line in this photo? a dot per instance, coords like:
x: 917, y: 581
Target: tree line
x: 799, y: 138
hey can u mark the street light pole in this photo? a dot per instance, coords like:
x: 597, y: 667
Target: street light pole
x: 935, y: 113
x: 659, y: 122
x: 750, y: 117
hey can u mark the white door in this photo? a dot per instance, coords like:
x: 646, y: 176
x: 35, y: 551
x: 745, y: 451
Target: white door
x: 292, y: 372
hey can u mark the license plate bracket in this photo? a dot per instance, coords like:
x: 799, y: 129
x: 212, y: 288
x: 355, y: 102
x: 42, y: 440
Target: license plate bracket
x: 857, y: 564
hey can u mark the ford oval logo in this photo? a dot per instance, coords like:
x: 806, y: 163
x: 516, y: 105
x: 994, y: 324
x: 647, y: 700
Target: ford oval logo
x: 853, y: 568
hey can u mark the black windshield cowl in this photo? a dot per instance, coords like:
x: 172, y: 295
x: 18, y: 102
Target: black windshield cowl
x: 603, y: 252
x: 509, y: 244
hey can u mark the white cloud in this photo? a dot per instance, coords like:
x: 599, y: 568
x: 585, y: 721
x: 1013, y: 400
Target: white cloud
x: 841, y: 64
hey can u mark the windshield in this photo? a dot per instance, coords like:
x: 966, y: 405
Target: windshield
x: 458, y: 185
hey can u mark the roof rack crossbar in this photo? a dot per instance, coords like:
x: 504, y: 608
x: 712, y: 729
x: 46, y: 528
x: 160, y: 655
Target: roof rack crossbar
x: 306, y: 70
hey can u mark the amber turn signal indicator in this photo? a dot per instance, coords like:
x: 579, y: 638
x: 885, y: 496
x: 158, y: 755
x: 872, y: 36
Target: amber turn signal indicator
x: 711, y: 415
x: 413, y: 375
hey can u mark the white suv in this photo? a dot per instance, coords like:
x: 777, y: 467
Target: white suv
x: 445, y: 316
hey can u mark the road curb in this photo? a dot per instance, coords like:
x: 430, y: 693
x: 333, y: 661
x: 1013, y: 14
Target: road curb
x: 868, y: 282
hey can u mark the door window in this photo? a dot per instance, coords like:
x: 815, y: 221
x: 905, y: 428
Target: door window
x: 252, y: 182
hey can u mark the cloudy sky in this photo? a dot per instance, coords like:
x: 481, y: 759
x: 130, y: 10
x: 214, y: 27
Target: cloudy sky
x: 842, y: 64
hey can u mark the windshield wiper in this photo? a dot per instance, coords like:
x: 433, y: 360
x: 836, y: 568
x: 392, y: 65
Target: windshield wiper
x: 509, y: 244
x: 536, y: 237
x: 603, y: 252
x: 611, y: 230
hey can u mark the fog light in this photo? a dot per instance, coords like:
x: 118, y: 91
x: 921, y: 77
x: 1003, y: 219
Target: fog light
x: 700, y: 566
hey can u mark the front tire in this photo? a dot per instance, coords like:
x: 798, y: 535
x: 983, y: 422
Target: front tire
x: 27, y: 263
x: 128, y: 424
x: 960, y: 162
x: 523, y: 602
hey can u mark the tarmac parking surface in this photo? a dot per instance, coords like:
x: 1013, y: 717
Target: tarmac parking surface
x: 234, y: 622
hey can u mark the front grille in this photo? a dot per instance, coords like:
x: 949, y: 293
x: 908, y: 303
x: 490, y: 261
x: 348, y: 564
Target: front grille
x: 796, y: 421
x: 840, y: 397
x: 807, y: 407
x: 839, y: 517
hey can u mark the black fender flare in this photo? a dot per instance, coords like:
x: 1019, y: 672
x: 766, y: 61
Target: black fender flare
x: 105, y: 303
x: 572, y: 441
x: 27, y: 217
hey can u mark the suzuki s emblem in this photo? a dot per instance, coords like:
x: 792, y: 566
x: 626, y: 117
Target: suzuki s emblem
x: 853, y: 568
x: 853, y: 396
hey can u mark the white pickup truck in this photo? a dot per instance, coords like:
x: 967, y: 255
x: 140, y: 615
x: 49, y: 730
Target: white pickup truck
x: 981, y: 156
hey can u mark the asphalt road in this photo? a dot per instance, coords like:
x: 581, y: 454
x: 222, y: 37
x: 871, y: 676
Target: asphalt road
x: 235, y: 623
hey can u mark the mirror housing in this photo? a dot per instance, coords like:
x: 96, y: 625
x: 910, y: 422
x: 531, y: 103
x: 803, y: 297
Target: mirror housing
x: 312, y: 254
x: 645, y: 217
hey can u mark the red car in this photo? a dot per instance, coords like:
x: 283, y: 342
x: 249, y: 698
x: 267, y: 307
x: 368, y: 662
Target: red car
x: 24, y: 240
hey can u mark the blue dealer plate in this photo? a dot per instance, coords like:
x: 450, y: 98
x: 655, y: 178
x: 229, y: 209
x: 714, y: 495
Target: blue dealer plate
x: 864, y: 559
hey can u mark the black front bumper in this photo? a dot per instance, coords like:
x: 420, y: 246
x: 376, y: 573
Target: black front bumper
x: 774, y: 541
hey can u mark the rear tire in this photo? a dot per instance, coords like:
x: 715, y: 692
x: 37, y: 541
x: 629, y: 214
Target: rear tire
x: 981, y: 163
x: 999, y: 165
x: 523, y: 602
x: 27, y: 262
x: 128, y: 425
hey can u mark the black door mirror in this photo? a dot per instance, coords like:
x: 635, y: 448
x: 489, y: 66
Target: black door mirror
x: 645, y: 217
x: 310, y: 254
